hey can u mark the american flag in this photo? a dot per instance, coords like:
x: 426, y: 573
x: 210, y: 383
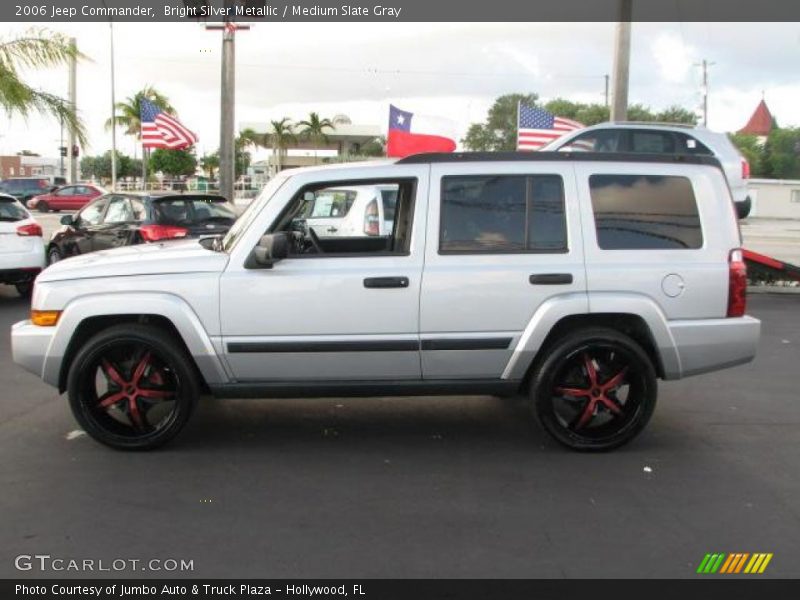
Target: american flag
x: 160, y: 130
x: 537, y: 127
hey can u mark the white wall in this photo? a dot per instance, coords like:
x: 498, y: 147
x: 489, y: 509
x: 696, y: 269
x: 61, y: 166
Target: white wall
x: 772, y: 198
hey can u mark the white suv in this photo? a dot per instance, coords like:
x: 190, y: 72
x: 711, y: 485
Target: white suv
x: 670, y: 139
x: 576, y: 279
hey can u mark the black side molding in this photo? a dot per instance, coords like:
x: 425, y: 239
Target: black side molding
x: 332, y: 346
x: 466, y: 344
x: 551, y: 279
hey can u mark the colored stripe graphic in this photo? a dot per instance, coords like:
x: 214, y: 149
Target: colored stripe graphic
x: 734, y: 562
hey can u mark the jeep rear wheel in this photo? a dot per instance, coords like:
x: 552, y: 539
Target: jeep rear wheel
x: 595, y: 390
x: 132, y: 387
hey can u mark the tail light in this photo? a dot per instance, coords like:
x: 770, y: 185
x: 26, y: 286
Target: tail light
x: 737, y: 284
x: 745, y: 169
x: 372, y: 219
x: 154, y: 233
x: 32, y: 229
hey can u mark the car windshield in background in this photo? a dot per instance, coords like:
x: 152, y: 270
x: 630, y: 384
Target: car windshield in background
x: 329, y: 203
x: 11, y: 211
x: 187, y: 211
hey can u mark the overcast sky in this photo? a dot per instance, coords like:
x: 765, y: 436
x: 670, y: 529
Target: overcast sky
x: 453, y: 70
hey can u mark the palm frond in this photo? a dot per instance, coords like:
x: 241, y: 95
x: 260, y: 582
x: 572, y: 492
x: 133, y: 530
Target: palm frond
x: 38, y: 48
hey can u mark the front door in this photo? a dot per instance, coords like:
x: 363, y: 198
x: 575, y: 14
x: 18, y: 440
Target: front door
x: 501, y: 241
x: 338, y: 308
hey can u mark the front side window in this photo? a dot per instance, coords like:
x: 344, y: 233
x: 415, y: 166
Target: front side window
x: 645, y: 212
x: 119, y: 210
x: 67, y: 191
x: 92, y: 214
x: 502, y: 214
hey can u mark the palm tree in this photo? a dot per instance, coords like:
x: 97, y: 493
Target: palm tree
x: 281, y: 134
x: 314, y: 130
x: 127, y: 112
x: 210, y: 163
x: 37, y: 49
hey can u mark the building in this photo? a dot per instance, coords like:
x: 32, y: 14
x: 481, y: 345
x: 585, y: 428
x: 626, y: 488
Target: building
x: 775, y: 198
x: 760, y: 123
x: 28, y: 166
x: 345, y: 139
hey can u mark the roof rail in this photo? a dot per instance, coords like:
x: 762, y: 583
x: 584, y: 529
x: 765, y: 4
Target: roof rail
x: 621, y: 157
x: 652, y: 123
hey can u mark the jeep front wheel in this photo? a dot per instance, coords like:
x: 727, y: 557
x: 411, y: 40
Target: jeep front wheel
x: 132, y: 387
x: 595, y: 390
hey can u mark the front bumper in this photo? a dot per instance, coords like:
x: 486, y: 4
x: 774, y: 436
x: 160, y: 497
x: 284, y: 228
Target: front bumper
x: 712, y: 344
x: 29, y: 348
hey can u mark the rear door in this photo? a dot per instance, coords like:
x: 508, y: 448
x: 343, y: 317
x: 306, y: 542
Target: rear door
x: 501, y: 240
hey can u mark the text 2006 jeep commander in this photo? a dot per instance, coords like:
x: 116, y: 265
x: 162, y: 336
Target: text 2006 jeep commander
x: 578, y: 279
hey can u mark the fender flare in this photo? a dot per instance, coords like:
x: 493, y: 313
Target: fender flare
x: 166, y: 305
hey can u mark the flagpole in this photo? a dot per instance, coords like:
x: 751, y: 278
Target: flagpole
x: 517, y: 144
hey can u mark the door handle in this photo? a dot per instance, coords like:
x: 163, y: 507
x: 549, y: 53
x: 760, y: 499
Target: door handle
x: 550, y: 279
x: 386, y: 282
x: 331, y: 230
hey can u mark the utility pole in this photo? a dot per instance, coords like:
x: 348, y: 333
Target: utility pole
x: 113, y: 116
x: 73, y: 101
x: 704, y: 90
x: 227, y: 158
x: 622, y: 59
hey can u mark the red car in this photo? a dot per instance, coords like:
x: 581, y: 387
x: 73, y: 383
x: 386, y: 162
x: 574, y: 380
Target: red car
x: 67, y: 197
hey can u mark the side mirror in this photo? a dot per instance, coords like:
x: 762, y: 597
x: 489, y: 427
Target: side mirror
x: 270, y: 249
x: 67, y: 220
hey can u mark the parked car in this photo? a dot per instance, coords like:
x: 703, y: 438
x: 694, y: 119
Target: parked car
x: 351, y: 211
x: 116, y: 219
x: 660, y: 138
x: 67, y: 197
x: 21, y: 247
x: 25, y: 188
x: 578, y: 280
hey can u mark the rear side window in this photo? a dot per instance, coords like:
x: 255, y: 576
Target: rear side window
x: 502, y: 214
x: 11, y: 211
x: 645, y: 212
x: 186, y: 211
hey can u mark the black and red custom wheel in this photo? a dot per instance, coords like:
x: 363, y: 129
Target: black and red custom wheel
x: 131, y: 387
x: 595, y: 390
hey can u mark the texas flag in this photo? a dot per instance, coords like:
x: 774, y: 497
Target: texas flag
x: 412, y: 134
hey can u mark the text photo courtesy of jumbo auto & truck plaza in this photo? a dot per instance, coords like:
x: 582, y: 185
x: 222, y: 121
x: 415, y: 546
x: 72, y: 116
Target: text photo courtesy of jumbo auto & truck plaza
x: 413, y: 299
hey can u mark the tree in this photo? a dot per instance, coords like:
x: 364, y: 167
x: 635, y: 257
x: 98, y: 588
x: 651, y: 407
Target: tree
x: 314, y: 129
x: 376, y: 147
x: 499, y: 132
x: 127, y: 113
x: 210, y: 163
x: 37, y: 49
x: 281, y: 134
x: 241, y: 156
x: 173, y: 162
x: 27, y: 153
x: 677, y: 114
x: 99, y: 167
x: 782, y: 154
x: 752, y: 150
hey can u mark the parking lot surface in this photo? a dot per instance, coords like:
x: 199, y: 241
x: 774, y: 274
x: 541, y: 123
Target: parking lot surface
x: 419, y: 487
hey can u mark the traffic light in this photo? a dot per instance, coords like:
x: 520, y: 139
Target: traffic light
x: 63, y: 150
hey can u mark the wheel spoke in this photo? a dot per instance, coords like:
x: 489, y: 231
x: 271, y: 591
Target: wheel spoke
x: 577, y: 392
x: 141, y: 367
x: 155, y: 394
x: 586, y: 415
x: 110, y: 398
x: 112, y: 373
x: 136, y: 416
x: 615, y: 381
x: 611, y: 405
x: 591, y: 372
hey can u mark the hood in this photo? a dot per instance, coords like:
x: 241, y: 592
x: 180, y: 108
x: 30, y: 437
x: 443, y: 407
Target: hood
x: 143, y: 259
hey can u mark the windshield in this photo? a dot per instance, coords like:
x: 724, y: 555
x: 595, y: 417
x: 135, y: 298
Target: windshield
x: 247, y: 217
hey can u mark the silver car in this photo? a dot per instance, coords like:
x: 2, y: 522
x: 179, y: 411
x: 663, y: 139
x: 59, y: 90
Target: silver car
x: 576, y: 280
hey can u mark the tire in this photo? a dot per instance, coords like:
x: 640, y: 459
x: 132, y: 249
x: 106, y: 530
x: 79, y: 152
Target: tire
x: 594, y: 390
x: 42, y: 206
x: 24, y: 289
x: 743, y: 208
x: 53, y: 255
x: 121, y: 375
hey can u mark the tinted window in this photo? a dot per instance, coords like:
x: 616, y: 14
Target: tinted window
x: 389, y: 198
x: 185, y: 211
x: 92, y: 213
x: 11, y: 211
x: 503, y: 213
x: 645, y: 212
x: 601, y: 140
x: 138, y: 208
x: 653, y: 142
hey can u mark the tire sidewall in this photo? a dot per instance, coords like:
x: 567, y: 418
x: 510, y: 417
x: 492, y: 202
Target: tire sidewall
x: 542, y: 384
x: 166, y: 350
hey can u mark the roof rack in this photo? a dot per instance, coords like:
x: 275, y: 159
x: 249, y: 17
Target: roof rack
x: 653, y: 124
x: 468, y: 157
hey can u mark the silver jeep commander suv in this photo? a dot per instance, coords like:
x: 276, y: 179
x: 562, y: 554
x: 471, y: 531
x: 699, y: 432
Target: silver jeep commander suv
x: 578, y: 279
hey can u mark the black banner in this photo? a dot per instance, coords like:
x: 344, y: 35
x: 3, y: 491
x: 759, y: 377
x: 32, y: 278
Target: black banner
x: 733, y: 588
x: 43, y: 11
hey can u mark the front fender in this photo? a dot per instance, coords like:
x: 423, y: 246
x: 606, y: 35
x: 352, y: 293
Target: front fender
x: 170, y: 306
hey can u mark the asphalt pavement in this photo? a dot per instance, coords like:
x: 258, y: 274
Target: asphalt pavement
x: 418, y: 487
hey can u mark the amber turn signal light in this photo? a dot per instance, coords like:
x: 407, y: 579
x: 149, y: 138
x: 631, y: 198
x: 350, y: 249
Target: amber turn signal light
x: 45, y: 318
